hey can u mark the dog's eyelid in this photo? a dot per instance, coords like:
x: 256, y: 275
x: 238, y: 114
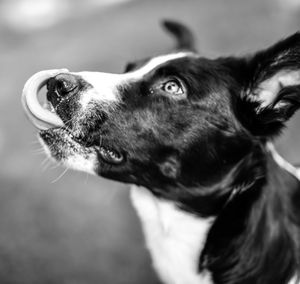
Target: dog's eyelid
x: 163, y: 81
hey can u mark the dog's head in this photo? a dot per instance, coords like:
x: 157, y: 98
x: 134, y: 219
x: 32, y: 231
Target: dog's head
x: 179, y: 124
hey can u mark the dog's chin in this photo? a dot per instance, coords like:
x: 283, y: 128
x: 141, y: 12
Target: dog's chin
x: 60, y: 145
x: 63, y: 147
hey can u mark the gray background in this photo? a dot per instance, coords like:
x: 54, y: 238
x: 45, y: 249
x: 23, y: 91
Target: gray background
x: 80, y: 229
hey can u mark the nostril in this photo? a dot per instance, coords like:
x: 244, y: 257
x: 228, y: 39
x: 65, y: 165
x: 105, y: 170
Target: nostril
x: 64, y: 84
x: 63, y: 87
x: 60, y: 86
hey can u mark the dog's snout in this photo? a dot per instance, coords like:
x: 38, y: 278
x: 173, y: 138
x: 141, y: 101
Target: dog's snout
x: 60, y: 87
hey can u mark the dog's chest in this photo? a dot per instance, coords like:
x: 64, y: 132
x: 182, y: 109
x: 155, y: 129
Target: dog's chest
x: 175, y: 238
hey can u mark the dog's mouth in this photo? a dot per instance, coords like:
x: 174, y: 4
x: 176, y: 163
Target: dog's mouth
x: 57, y: 136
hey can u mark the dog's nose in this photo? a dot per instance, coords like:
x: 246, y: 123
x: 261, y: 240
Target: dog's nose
x: 60, y: 87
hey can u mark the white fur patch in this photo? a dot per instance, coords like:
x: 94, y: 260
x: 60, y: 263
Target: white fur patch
x: 104, y: 87
x: 175, y: 238
x: 154, y: 63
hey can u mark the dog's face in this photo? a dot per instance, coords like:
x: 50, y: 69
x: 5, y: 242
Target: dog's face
x: 178, y: 124
x: 165, y: 124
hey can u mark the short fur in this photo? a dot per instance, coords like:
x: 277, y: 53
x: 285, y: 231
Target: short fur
x: 205, y: 153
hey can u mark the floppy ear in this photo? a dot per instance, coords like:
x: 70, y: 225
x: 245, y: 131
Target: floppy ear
x: 184, y: 37
x: 271, y: 87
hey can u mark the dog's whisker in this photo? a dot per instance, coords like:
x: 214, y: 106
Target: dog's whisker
x: 37, y: 151
x: 55, y: 166
x: 46, y: 164
x: 45, y: 160
x: 35, y: 142
x: 86, y: 178
x: 60, y: 176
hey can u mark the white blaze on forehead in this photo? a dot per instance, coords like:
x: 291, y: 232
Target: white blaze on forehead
x: 105, y: 85
x: 154, y: 63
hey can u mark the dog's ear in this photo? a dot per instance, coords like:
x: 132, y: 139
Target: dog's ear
x: 271, y: 87
x: 184, y: 37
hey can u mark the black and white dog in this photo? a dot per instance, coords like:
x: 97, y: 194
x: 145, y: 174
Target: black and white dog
x: 193, y: 135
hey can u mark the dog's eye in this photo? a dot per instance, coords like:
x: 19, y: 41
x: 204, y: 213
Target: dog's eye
x: 170, y: 87
x: 173, y: 87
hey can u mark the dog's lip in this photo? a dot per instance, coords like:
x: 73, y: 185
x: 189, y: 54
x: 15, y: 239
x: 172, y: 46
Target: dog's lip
x: 107, y: 153
x: 41, y: 117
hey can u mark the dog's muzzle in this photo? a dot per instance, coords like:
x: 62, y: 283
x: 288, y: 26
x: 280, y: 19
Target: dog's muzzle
x: 73, y: 113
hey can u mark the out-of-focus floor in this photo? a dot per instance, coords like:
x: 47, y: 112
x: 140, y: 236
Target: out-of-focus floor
x: 82, y: 229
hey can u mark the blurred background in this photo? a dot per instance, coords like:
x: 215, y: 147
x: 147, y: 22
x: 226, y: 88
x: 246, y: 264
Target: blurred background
x: 67, y: 227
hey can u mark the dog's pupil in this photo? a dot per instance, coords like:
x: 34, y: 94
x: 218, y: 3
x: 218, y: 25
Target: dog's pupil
x: 172, y: 87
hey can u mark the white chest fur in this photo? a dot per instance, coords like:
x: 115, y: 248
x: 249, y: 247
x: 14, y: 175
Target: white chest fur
x: 175, y: 238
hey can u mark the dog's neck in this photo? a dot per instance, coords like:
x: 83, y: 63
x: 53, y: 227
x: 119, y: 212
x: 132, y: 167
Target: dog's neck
x: 252, y: 230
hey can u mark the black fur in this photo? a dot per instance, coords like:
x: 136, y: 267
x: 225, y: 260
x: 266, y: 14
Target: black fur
x: 256, y: 237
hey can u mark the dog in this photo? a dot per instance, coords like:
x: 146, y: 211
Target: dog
x: 193, y: 136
